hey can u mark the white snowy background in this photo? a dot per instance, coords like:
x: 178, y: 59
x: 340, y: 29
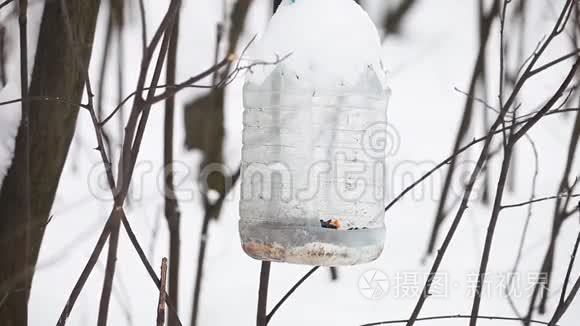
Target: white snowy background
x: 435, y: 54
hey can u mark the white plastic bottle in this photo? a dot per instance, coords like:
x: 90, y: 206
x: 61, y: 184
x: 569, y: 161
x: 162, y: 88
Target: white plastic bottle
x: 313, y: 147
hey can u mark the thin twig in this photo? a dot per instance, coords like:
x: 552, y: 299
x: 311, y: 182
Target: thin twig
x: 541, y: 200
x: 164, y: 96
x: 148, y: 267
x: 560, y: 215
x: 402, y: 321
x: 42, y: 98
x: 525, y: 230
x: 162, y: 294
x: 459, y: 152
x: 289, y: 293
x: 555, y: 62
x: 564, y: 304
x: 569, y: 271
x: 191, y: 82
x: 3, y: 80
x: 102, y: 77
x: 5, y: 3
x: 560, y: 312
x: 508, y: 151
x: 93, y: 259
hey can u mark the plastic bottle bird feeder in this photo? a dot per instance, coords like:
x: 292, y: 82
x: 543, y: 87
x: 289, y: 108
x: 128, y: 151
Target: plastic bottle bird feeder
x: 313, y: 142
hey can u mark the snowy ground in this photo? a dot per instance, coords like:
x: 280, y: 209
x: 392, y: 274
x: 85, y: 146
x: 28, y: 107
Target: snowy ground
x: 435, y: 55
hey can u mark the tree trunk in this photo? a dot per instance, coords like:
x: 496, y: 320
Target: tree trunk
x: 52, y: 126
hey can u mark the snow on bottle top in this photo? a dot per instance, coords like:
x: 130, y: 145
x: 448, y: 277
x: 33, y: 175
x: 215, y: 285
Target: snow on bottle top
x: 329, y: 42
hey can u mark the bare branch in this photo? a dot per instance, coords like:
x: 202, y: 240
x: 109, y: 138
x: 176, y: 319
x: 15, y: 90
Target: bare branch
x: 172, y: 213
x: 452, y: 317
x: 541, y: 200
x: 43, y: 98
x: 120, y: 193
x: 262, y: 319
x: 510, y: 142
x: 290, y: 292
x: 565, y: 303
x: 525, y: 230
x: 462, y: 150
x: 482, y: 160
x: 189, y: 83
x: 569, y: 271
x: 5, y: 3
x: 555, y: 62
x: 485, y: 24
x: 162, y: 294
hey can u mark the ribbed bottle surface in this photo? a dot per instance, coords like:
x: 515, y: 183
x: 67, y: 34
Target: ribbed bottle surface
x: 313, y: 171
